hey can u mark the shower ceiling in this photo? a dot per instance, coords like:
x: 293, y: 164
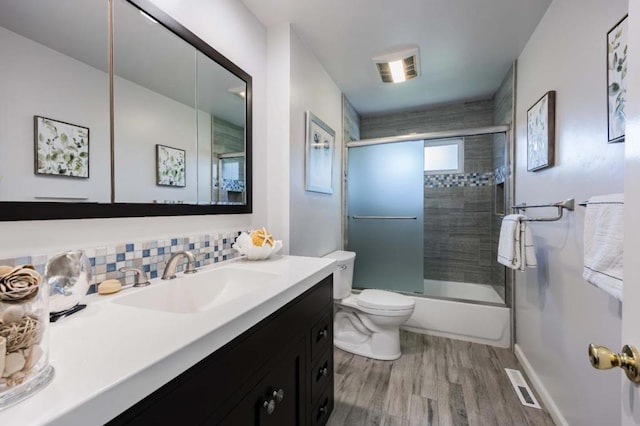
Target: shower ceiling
x: 466, y: 46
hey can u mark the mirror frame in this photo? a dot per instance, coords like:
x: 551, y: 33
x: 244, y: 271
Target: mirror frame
x: 20, y: 210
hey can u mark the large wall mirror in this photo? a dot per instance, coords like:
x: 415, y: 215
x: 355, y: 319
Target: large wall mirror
x: 158, y: 125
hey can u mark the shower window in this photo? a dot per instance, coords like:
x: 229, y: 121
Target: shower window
x: 444, y: 156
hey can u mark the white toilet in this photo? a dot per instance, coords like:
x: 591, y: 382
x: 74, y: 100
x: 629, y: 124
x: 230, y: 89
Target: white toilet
x: 368, y: 323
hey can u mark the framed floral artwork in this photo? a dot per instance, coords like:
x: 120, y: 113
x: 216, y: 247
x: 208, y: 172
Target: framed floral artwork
x: 61, y: 149
x: 541, y: 130
x: 616, y: 81
x: 320, y: 143
x: 170, y: 166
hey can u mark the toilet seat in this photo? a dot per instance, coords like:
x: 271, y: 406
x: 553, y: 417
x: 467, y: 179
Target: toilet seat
x: 380, y: 302
x: 384, y: 300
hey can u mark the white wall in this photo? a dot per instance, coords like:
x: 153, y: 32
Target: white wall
x: 557, y: 313
x: 144, y: 118
x: 229, y: 27
x: 64, y: 89
x: 278, y: 99
x: 315, y: 218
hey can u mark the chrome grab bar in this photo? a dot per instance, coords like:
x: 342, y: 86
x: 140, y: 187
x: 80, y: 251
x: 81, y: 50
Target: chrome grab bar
x: 561, y: 206
x: 385, y: 217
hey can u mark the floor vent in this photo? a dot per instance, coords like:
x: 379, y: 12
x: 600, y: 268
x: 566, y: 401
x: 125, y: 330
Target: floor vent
x: 522, y: 388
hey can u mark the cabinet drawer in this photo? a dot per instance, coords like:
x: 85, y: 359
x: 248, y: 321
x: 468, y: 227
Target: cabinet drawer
x: 276, y: 399
x: 322, y: 335
x: 321, y: 411
x: 320, y: 374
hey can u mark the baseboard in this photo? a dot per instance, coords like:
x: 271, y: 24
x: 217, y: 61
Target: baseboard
x: 548, y: 402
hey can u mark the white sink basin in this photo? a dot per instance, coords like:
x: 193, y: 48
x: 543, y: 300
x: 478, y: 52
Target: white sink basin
x: 198, y: 292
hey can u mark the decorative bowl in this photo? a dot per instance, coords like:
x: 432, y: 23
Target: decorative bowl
x: 244, y: 245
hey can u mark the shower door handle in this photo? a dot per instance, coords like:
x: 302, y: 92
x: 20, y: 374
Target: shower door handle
x: 386, y: 217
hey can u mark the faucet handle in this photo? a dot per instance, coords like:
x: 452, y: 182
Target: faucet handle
x: 140, y: 279
x: 190, y: 268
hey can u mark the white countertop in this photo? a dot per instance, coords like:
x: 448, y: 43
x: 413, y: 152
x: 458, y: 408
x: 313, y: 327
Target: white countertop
x: 109, y: 356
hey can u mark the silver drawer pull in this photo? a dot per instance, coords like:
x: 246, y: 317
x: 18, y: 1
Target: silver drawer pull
x: 278, y: 395
x: 270, y: 406
x: 322, y: 373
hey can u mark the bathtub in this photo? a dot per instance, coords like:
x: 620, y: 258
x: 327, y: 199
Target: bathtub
x: 472, y: 322
x: 464, y: 291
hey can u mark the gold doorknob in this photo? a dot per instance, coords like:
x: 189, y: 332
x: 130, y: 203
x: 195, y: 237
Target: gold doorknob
x: 603, y: 358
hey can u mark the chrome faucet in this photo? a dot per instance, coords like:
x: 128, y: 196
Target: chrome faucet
x: 170, y: 270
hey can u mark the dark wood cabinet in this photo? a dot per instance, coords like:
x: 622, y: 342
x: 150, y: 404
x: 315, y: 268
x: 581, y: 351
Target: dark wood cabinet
x: 279, y: 372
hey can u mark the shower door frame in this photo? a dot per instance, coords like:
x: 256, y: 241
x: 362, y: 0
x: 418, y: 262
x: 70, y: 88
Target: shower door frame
x: 509, y: 190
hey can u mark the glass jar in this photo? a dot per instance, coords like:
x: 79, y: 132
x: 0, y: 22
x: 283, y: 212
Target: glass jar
x: 24, y: 334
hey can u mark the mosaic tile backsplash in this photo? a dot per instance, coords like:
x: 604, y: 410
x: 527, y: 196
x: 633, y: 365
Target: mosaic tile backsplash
x: 459, y: 180
x: 151, y: 256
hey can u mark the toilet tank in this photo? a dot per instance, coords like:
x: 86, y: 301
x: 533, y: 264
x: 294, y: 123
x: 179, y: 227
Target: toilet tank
x: 343, y: 275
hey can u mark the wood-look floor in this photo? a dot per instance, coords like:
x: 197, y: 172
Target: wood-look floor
x: 437, y: 381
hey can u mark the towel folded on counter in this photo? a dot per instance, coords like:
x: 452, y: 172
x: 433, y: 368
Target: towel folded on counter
x: 515, y: 247
x: 603, y: 243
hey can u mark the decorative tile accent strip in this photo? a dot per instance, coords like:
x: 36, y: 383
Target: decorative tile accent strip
x: 151, y: 256
x: 500, y: 174
x: 459, y: 180
x: 232, y: 185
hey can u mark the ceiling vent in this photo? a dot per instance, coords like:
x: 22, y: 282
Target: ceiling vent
x: 398, y: 65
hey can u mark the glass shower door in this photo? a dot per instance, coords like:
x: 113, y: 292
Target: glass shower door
x: 385, y: 224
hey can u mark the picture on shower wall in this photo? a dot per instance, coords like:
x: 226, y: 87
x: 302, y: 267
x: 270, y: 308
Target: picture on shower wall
x: 616, y: 80
x: 61, y: 149
x: 170, y: 166
x: 541, y: 132
x: 320, y: 142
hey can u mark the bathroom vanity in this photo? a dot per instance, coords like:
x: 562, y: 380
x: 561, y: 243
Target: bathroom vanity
x: 261, y: 358
x: 278, y: 372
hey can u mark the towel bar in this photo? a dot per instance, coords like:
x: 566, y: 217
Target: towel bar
x: 385, y: 217
x: 561, y: 205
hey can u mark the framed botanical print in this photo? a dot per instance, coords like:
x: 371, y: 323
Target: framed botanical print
x: 61, y: 149
x: 320, y: 142
x: 541, y: 132
x: 616, y: 81
x: 170, y: 166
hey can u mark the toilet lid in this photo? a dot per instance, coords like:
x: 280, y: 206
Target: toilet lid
x: 384, y: 300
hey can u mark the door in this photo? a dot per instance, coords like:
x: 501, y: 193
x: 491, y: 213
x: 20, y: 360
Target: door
x: 631, y: 294
x: 385, y: 202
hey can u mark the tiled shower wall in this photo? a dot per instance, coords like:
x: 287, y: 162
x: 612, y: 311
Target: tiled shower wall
x: 457, y: 224
x: 462, y: 115
x: 150, y: 255
x: 350, y: 121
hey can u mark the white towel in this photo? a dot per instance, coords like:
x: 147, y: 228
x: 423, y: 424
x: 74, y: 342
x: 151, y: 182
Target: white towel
x: 603, y: 239
x: 515, y: 247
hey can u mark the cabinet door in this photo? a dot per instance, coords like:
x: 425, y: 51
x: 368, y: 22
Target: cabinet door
x: 277, y: 399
